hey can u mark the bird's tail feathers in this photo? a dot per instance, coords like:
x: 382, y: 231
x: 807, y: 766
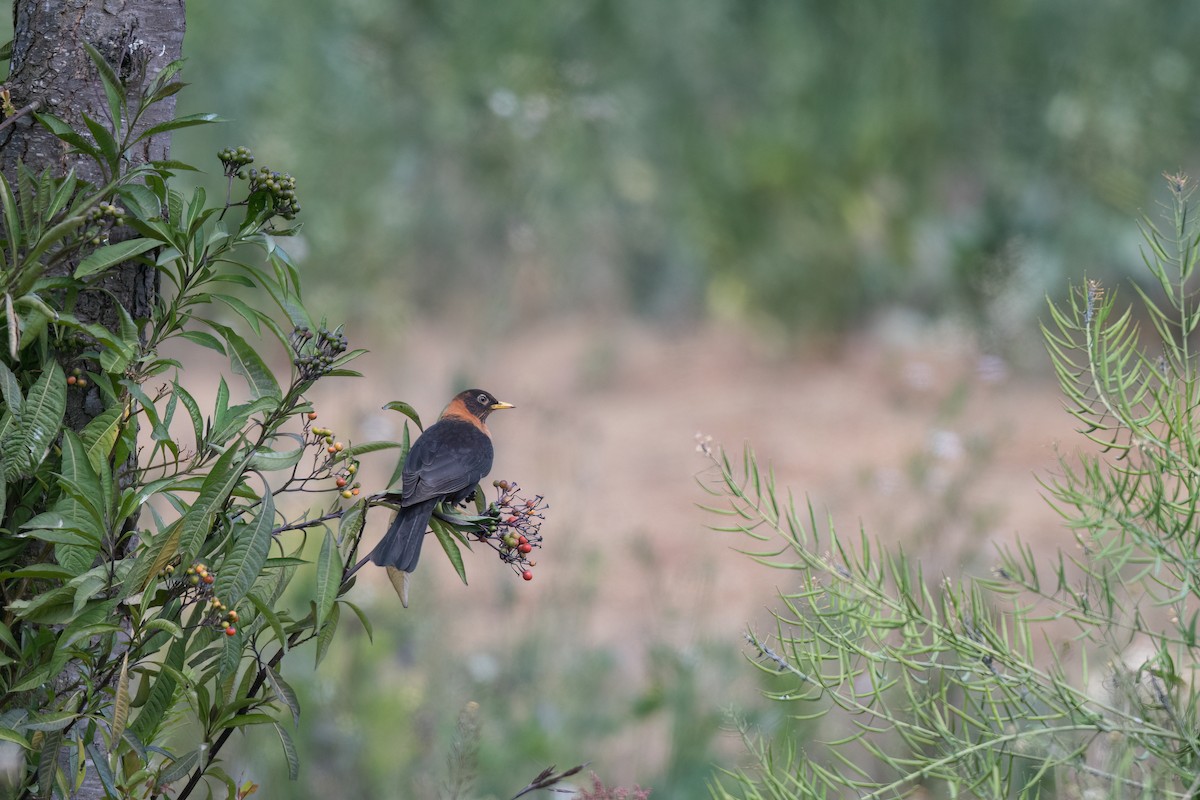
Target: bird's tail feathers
x: 400, y: 547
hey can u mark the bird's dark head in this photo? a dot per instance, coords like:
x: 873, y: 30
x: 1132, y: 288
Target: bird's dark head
x: 475, y: 402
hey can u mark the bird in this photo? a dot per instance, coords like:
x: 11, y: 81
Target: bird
x: 444, y: 464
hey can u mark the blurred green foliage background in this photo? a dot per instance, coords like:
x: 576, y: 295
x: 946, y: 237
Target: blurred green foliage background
x: 804, y: 160
x: 795, y: 164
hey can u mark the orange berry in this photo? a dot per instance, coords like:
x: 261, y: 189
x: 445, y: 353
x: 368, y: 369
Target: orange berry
x: 312, y: 415
x: 354, y: 492
x: 71, y: 379
x: 208, y: 578
x: 339, y: 447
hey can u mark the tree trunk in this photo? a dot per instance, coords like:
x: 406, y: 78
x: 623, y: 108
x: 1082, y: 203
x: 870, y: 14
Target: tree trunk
x: 50, y: 68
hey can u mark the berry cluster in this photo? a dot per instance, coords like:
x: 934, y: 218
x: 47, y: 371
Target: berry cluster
x: 77, y: 378
x: 196, y: 584
x: 343, y: 474
x: 280, y: 186
x: 234, y: 158
x: 316, y: 352
x: 100, y: 219
x: 516, y: 525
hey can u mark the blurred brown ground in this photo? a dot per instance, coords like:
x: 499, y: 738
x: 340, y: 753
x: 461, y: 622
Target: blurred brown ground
x: 915, y: 436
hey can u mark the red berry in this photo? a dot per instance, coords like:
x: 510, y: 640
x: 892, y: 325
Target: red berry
x: 208, y: 578
x: 527, y: 575
x: 340, y: 482
x: 71, y: 380
x: 230, y: 631
x: 526, y: 548
x: 522, y: 540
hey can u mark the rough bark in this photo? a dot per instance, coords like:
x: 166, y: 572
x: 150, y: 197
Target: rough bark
x: 50, y: 67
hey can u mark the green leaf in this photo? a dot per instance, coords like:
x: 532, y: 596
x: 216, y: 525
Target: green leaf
x: 289, y: 751
x: 105, y: 141
x: 362, y: 617
x: 244, y: 563
x: 272, y: 461
x: 329, y: 577
x: 285, y: 693
x: 100, y: 435
x: 120, y: 704
x: 200, y: 519
x: 350, y: 526
x: 246, y: 362
x: 113, y: 89
x: 23, y: 446
x: 9, y: 735
x: 204, y: 340
x: 68, y: 134
x: 10, y: 389
x: 162, y: 692
x: 271, y: 617
x: 325, y: 635
x: 104, y: 257
x: 369, y: 447
x: 406, y: 410
x: 186, y: 121
x: 445, y: 535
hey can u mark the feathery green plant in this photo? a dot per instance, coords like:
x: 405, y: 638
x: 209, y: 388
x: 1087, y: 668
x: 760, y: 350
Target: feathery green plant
x: 1073, y: 680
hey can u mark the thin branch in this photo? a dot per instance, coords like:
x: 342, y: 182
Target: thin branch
x: 21, y: 112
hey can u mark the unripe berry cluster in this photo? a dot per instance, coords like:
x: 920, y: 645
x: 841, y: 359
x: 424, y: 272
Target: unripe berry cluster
x: 316, y: 352
x: 234, y: 158
x: 282, y: 188
x: 100, y: 219
x: 197, y: 582
x: 344, y: 475
x: 516, y: 527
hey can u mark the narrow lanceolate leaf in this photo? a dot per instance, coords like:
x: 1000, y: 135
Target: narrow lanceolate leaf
x: 289, y: 751
x: 10, y: 389
x: 251, y: 544
x: 120, y: 704
x: 329, y: 577
x: 246, y: 362
x: 284, y: 693
x: 154, y: 711
x: 14, y: 327
x: 153, y: 558
x: 110, y: 255
x: 80, y: 506
x: 350, y: 527
x: 445, y: 535
x: 406, y: 410
x: 200, y: 519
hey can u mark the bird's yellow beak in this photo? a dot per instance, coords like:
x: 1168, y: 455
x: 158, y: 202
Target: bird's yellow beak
x: 500, y: 406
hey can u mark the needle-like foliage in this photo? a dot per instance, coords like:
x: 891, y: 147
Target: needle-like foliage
x: 1071, y: 677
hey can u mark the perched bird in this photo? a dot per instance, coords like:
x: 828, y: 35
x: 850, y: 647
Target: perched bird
x: 444, y: 464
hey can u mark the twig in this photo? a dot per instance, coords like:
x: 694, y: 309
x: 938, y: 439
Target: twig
x: 20, y: 112
x: 547, y: 778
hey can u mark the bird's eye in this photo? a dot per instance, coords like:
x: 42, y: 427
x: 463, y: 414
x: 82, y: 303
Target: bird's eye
x: 483, y: 400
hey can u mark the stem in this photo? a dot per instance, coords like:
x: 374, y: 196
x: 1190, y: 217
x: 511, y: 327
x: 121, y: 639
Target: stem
x: 21, y: 112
